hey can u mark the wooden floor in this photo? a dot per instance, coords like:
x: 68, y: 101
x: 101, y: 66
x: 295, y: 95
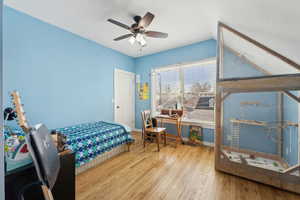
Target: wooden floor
x: 185, y: 172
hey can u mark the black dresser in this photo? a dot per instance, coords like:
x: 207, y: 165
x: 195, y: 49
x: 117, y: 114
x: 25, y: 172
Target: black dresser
x: 64, y: 188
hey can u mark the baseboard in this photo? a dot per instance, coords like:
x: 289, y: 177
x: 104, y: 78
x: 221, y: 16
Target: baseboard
x: 136, y: 130
x: 210, y: 144
x: 205, y: 143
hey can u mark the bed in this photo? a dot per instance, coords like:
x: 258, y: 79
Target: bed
x: 94, y: 142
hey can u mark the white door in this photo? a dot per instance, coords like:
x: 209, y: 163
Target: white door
x: 124, y: 98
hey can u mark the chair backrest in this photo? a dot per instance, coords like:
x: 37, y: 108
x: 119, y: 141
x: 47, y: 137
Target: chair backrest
x: 179, y: 113
x: 44, y: 154
x: 147, y: 120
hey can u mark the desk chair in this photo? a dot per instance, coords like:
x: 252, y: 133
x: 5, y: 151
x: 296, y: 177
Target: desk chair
x: 150, y: 132
x: 45, y: 159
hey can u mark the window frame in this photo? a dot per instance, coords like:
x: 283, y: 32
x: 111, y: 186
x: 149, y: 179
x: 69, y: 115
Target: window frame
x: 180, y: 67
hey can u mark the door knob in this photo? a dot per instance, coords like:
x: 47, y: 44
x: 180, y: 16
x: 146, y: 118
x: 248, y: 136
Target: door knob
x: 118, y: 107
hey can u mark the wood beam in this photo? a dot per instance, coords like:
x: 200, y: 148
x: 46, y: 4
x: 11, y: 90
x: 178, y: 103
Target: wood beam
x: 225, y: 96
x: 261, y: 84
x: 218, y: 128
x: 292, y: 96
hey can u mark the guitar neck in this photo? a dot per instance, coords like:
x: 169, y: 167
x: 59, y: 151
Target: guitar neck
x: 22, y: 121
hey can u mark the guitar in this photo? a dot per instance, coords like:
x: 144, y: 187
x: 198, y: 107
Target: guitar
x: 22, y: 122
x: 21, y: 118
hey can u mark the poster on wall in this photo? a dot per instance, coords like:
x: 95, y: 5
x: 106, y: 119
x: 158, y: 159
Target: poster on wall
x: 196, y: 135
x: 144, y: 91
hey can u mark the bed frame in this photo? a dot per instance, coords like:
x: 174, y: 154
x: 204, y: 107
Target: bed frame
x: 104, y: 157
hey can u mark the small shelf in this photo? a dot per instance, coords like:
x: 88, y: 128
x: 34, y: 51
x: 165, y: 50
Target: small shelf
x: 249, y: 122
x: 291, y: 124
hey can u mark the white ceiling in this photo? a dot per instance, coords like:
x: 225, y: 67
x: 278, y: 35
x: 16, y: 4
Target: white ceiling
x: 275, y: 23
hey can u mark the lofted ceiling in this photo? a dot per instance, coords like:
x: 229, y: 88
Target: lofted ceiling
x: 274, y: 23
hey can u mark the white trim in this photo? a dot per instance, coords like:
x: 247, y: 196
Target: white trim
x: 124, y: 71
x: 210, y: 144
x: 185, y: 64
x: 153, y: 88
x: 136, y: 130
x: 115, y: 94
x: 2, y: 173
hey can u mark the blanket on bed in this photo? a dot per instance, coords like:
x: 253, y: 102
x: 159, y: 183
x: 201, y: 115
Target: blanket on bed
x: 92, y: 139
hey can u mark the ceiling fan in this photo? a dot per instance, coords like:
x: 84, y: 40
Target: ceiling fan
x: 138, y: 29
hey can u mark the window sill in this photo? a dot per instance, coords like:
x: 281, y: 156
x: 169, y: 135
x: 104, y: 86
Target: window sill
x: 204, y: 124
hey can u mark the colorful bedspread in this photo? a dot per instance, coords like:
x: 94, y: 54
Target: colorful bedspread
x: 16, y: 131
x: 92, y: 139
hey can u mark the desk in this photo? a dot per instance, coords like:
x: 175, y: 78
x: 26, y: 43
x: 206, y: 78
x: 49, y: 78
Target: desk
x: 63, y: 189
x: 173, y: 120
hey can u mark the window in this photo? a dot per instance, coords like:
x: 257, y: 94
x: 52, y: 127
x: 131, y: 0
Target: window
x: 188, y: 86
x: 167, y: 92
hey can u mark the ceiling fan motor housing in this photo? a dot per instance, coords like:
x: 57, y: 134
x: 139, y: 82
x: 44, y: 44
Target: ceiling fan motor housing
x: 137, y: 18
x: 135, y: 26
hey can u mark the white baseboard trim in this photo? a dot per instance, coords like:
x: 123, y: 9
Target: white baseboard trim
x: 210, y: 144
x: 136, y: 130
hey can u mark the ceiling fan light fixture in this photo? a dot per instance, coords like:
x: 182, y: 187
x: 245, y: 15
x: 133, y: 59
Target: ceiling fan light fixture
x: 140, y: 39
x: 131, y: 40
x: 142, y: 42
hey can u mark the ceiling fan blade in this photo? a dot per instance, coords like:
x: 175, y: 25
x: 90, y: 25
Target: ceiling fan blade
x: 156, y: 34
x: 123, y: 37
x: 119, y: 24
x: 146, y: 20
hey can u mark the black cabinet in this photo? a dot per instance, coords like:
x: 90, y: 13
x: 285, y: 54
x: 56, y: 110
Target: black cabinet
x: 63, y: 189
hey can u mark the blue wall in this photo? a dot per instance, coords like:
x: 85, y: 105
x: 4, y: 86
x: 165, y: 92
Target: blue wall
x: 290, y: 134
x: 194, y: 52
x: 63, y: 79
x: 251, y: 137
x: 1, y: 117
